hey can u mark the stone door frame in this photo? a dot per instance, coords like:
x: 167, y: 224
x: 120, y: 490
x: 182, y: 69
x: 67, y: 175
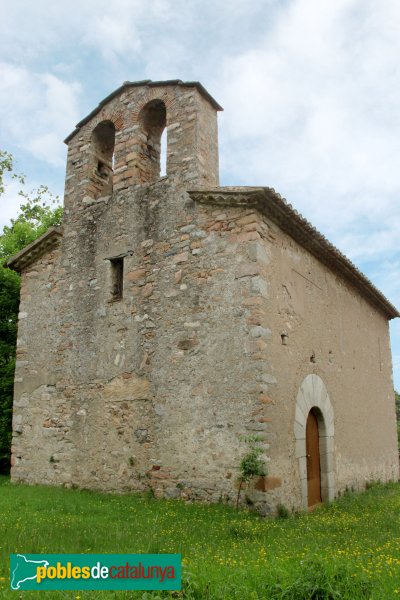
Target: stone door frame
x: 313, y: 394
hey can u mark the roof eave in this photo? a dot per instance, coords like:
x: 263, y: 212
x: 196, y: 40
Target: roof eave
x: 28, y: 255
x: 145, y: 82
x: 270, y: 203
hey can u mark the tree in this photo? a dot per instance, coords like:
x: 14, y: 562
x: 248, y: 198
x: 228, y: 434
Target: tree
x: 252, y: 464
x: 39, y: 210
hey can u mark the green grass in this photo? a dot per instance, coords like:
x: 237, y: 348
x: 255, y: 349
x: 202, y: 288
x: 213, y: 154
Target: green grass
x: 348, y: 549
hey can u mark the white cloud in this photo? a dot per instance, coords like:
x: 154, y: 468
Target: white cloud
x: 47, y: 147
x: 112, y: 36
x: 37, y: 111
x: 367, y: 244
x: 113, y: 29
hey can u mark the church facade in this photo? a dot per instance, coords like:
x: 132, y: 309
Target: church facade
x: 171, y: 319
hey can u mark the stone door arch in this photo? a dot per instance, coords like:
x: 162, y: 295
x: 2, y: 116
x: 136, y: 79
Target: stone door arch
x: 313, y: 394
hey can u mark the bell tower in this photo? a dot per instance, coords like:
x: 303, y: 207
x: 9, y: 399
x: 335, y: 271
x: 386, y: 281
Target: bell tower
x: 118, y: 145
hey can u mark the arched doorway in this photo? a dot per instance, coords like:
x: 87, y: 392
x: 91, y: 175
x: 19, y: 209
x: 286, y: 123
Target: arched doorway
x: 313, y: 460
x: 313, y: 398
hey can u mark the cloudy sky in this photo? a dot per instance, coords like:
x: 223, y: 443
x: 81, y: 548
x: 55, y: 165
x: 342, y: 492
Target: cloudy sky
x: 310, y: 88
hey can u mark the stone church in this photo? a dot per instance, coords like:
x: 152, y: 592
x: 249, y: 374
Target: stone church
x: 169, y: 319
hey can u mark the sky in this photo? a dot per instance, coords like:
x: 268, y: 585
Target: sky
x: 310, y: 90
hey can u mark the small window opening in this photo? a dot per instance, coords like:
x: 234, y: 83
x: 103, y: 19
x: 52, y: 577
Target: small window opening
x: 117, y: 278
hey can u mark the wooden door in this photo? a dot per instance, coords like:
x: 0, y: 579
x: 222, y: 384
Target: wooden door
x: 313, y: 464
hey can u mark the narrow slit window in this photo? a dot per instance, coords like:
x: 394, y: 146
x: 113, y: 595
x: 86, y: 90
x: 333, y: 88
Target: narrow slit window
x: 117, y: 278
x: 163, y: 153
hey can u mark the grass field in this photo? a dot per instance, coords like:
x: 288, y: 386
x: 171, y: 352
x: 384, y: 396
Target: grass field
x: 348, y: 549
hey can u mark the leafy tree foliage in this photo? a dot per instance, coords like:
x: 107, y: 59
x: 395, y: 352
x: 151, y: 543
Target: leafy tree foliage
x: 39, y: 210
x: 252, y: 464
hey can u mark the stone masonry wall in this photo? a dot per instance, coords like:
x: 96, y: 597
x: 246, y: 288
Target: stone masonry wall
x: 41, y: 416
x: 157, y: 388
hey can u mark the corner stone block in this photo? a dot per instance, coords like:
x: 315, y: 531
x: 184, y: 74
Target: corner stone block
x: 252, y: 218
x: 304, y: 406
x: 258, y: 331
x: 303, y: 402
x: 303, y: 468
x: 266, y: 378
x: 300, y: 448
x: 299, y: 431
x: 331, y: 486
x: 326, y: 461
x: 307, y: 390
x: 134, y: 388
x: 259, y: 286
x: 246, y: 269
x: 257, y: 252
x: 327, y: 445
x: 318, y: 387
x: 300, y: 415
x: 265, y: 484
x: 329, y: 422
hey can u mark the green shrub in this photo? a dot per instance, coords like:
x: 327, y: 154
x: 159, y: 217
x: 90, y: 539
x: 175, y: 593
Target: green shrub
x: 282, y: 512
x: 252, y: 464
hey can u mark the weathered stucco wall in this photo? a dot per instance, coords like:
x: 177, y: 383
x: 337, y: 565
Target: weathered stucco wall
x: 322, y: 325
x: 221, y: 318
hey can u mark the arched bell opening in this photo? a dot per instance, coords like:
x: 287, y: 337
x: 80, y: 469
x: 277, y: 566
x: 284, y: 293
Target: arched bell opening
x: 152, y: 120
x: 102, y: 164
